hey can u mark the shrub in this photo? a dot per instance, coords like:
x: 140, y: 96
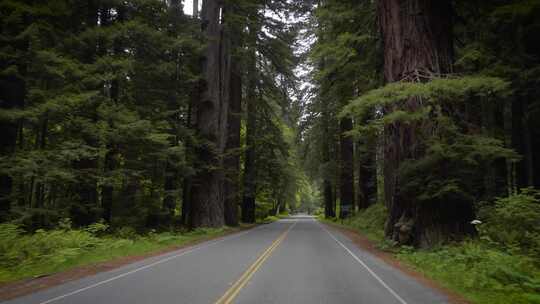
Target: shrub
x: 514, y: 222
x: 126, y: 232
x: 27, y: 251
x: 482, y: 273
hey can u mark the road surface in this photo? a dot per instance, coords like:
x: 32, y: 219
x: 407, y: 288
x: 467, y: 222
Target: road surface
x: 295, y: 260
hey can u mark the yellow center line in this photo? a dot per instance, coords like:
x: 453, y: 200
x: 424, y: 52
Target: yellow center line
x: 233, y: 292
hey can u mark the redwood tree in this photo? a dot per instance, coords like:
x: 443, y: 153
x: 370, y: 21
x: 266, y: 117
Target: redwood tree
x: 417, y: 37
x: 207, y: 202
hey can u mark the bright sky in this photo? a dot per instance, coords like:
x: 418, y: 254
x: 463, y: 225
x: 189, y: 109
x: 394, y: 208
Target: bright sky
x: 188, y: 6
x: 301, y: 71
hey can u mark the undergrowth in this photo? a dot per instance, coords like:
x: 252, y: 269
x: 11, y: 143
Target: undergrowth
x: 481, y: 273
x: 26, y: 255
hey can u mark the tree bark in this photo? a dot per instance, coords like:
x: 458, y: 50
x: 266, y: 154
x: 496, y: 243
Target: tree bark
x: 417, y: 38
x: 207, y: 209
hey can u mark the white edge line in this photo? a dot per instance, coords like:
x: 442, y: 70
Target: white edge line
x: 146, y: 266
x: 400, y: 299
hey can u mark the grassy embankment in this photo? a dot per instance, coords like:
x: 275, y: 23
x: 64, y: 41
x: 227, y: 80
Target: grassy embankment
x: 28, y: 255
x: 480, y: 271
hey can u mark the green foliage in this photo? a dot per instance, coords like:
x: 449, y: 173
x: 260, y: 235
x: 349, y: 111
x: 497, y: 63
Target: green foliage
x: 104, y: 102
x: 369, y: 221
x: 453, y: 151
x: 437, y: 92
x: 24, y: 255
x: 480, y: 272
x: 460, y: 139
x: 512, y: 222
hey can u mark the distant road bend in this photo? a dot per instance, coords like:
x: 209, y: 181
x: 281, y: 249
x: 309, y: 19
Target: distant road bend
x: 295, y: 260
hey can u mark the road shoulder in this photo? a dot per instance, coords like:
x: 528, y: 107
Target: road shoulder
x: 368, y: 245
x: 17, y: 289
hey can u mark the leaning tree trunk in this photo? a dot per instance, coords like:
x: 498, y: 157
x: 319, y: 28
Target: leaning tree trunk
x: 346, y: 180
x: 207, y: 206
x: 417, y: 37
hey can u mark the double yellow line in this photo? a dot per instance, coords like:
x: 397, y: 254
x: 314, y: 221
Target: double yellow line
x: 233, y: 292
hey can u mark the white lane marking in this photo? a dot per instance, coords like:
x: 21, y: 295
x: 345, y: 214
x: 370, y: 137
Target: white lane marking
x: 147, y: 266
x: 400, y: 299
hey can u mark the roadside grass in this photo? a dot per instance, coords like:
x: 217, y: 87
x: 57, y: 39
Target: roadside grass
x: 272, y: 218
x: 24, y: 256
x: 481, y: 273
x: 477, y: 269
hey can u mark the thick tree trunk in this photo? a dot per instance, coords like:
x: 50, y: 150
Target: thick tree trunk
x: 417, y: 37
x: 232, y: 157
x: 346, y: 180
x: 207, y: 209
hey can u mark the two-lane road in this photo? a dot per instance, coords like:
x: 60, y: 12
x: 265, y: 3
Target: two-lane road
x: 296, y: 260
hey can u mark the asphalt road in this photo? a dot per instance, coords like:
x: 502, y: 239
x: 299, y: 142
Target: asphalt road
x: 295, y: 260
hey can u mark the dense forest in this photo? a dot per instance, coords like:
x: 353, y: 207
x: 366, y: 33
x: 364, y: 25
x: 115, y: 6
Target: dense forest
x: 136, y: 114
x: 429, y: 109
